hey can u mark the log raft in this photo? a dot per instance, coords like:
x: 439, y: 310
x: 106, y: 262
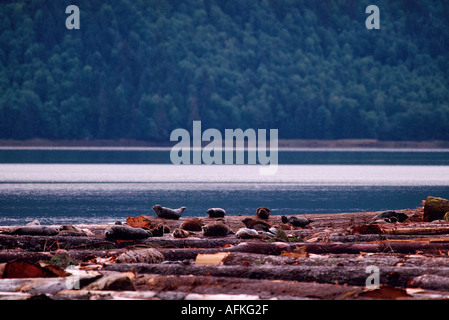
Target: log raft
x: 328, y: 259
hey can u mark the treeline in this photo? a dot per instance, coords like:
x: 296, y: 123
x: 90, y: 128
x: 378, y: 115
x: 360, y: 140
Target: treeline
x: 139, y: 69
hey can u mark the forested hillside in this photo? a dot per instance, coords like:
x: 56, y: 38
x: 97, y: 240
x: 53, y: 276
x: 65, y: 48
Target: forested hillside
x: 139, y: 69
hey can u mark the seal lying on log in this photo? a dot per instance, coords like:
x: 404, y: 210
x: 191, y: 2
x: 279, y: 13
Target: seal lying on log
x: 256, y: 224
x: 216, y: 229
x: 263, y: 212
x: 390, y: 217
x: 34, y: 230
x: 122, y: 232
x: 216, y: 212
x: 158, y: 231
x: 194, y: 224
x: 180, y: 233
x: 167, y: 213
x: 247, y: 233
x: 296, y: 221
x: 71, y: 231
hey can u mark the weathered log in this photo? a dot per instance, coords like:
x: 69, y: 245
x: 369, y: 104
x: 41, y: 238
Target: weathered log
x: 430, y: 282
x: 434, y: 230
x: 78, y: 255
x: 341, y: 274
x: 319, y: 248
x: 263, y: 289
x: 435, y: 208
x: 168, y: 242
x: 379, y: 247
x: 376, y: 237
x: 400, y: 229
x: 47, y: 285
x: 50, y: 243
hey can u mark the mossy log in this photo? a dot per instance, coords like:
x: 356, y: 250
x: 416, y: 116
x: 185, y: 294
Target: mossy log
x: 435, y: 208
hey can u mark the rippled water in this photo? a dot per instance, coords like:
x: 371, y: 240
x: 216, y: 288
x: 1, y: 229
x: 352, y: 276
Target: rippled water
x: 98, y: 189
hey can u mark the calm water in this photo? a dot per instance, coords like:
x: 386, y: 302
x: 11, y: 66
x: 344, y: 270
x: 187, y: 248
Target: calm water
x: 104, y: 185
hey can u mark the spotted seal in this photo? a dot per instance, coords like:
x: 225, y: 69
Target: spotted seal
x: 193, y: 224
x: 256, y: 224
x: 247, y: 233
x: 158, y: 230
x: 391, y: 217
x: 167, y: 213
x: 123, y: 232
x: 216, y: 212
x: 263, y: 213
x: 216, y: 229
x: 296, y: 221
x: 34, y: 230
x: 180, y: 233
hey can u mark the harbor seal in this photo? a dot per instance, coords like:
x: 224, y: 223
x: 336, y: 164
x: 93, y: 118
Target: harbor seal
x: 71, y: 231
x: 123, y: 232
x: 157, y: 231
x: 247, y: 233
x: 216, y: 212
x: 167, y: 213
x: 256, y: 224
x: 194, y: 224
x: 296, y: 221
x: 34, y: 230
x: 391, y: 217
x: 216, y: 229
x: 263, y: 213
x: 180, y: 233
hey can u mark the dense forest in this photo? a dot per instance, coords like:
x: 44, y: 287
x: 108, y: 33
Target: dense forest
x: 139, y: 69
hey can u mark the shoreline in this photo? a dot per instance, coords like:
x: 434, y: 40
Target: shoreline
x: 285, y: 144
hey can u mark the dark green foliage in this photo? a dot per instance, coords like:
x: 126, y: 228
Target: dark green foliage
x: 139, y: 69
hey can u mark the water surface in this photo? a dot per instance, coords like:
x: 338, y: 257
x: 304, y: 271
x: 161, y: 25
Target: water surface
x: 90, y: 186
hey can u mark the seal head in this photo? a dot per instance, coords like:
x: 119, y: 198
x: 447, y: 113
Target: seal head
x: 263, y: 213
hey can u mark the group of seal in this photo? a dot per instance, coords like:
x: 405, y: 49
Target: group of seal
x: 260, y: 227
x: 219, y: 228
x: 175, y: 214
